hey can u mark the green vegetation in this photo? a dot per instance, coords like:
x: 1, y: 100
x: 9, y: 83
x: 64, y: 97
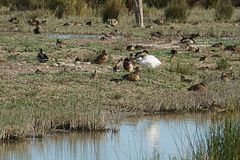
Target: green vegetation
x: 224, y: 10
x: 222, y: 64
x: 221, y: 142
x: 177, y: 10
x: 112, y: 10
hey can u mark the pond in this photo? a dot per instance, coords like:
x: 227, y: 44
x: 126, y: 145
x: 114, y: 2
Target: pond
x: 137, y: 139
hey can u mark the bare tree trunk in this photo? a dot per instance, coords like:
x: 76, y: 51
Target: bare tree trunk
x: 139, y: 12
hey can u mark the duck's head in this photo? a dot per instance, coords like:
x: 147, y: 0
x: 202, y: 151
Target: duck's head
x: 182, y: 77
x: 40, y: 50
x: 127, y: 60
x: 145, y: 52
x: 137, y: 69
x: 104, y: 52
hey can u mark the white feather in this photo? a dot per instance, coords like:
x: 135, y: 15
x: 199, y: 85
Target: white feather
x: 149, y: 61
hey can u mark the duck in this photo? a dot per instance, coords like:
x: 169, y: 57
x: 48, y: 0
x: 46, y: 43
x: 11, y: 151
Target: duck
x: 225, y: 77
x: 231, y: 48
x: 173, y: 54
x: 127, y: 65
x: 158, y: 21
x: 89, y: 23
x: 112, y: 22
x: 37, y: 29
x: 134, y: 76
x: 203, y: 58
x: 130, y: 48
x: 218, y: 45
x: 201, y: 87
x: 186, y: 40
x: 156, y: 34
x: 102, y: 58
x: 189, y: 39
x: 133, y: 59
x: 94, y: 75
x: 60, y: 44
x: 147, y: 60
x: 14, y: 20
x: 185, y: 80
x: 77, y: 59
x: 41, y: 57
x: 68, y: 24
x: 118, y: 65
x: 193, y: 49
x: 33, y: 22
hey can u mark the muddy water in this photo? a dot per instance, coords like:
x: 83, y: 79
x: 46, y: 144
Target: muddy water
x: 140, y: 139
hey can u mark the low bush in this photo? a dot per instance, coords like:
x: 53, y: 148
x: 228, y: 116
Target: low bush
x: 112, y: 9
x: 222, y: 64
x: 177, y: 10
x: 224, y: 10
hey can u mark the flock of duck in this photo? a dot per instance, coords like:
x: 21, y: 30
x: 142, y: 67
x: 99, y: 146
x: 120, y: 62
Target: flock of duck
x: 132, y: 63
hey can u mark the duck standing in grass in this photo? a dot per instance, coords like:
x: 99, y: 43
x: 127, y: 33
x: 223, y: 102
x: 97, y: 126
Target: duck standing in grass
x: 201, y: 87
x: 41, y: 57
x: 37, y: 29
x: 173, y: 54
x: 134, y: 76
x: 60, y: 44
x: 102, y: 58
x: 14, y: 20
x: 118, y: 65
x: 127, y: 65
x: 147, y: 60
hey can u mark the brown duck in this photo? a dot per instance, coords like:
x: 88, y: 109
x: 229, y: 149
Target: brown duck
x: 14, y: 20
x: 185, y: 80
x: 118, y: 65
x: 134, y: 76
x: 201, y: 87
x: 231, y: 48
x: 102, y: 58
x: 173, y: 54
x: 218, y: 45
x: 203, y: 58
x: 37, y: 30
x: 133, y: 59
x: 225, y: 77
x: 60, y: 44
x: 130, y: 48
x: 127, y: 65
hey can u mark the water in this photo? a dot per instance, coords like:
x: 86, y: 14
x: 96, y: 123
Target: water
x: 70, y: 36
x: 137, y: 139
x: 82, y: 36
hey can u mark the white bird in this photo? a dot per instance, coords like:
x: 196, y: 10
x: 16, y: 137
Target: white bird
x: 148, y: 60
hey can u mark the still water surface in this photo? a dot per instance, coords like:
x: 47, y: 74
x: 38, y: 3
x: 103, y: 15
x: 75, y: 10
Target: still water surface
x: 137, y: 139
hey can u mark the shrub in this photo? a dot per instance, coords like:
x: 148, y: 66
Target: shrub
x: 177, y: 10
x: 224, y: 10
x: 222, y: 64
x: 157, y: 3
x: 112, y: 9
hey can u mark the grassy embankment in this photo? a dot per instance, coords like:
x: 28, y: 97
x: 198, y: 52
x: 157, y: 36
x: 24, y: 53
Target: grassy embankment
x: 67, y: 97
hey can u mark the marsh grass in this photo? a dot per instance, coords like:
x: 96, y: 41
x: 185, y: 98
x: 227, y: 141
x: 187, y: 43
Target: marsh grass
x: 222, y: 64
x: 220, y: 142
x: 112, y: 10
x: 177, y: 10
